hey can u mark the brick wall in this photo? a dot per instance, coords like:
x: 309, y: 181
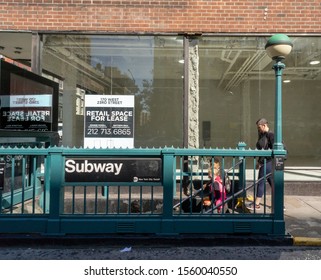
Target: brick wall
x: 161, y: 16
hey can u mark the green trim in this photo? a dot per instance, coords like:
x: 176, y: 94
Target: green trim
x: 279, y: 39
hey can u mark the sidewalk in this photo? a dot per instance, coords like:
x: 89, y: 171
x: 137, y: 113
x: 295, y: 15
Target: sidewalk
x: 303, y: 219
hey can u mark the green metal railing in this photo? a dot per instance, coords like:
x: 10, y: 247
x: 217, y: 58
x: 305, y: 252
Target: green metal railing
x: 37, y: 196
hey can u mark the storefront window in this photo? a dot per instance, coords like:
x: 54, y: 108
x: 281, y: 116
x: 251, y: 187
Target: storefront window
x: 233, y: 79
x: 237, y: 87
x: 144, y: 66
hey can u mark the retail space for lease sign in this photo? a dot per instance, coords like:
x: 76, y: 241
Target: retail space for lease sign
x: 109, y: 121
x: 28, y: 102
x: 27, y: 112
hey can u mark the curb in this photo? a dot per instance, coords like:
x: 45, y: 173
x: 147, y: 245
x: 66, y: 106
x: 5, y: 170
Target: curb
x: 306, y: 241
x: 148, y: 240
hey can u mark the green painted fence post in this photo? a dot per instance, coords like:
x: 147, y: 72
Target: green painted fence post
x: 168, y: 181
x: 242, y: 169
x: 55, y: 191
x: 278, y: 192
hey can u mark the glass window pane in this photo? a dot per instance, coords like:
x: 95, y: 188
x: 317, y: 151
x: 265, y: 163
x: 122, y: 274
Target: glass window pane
x: 237, y: 87
x: 145, y: 66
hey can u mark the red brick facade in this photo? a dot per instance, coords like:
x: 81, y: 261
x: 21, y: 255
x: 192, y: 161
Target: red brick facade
x: 163, y: 16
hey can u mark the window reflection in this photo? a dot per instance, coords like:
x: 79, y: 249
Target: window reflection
x: 237, y: 87
x: 144, y: 66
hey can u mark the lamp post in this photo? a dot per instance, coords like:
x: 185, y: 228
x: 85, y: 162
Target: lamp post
x: 278, y: 47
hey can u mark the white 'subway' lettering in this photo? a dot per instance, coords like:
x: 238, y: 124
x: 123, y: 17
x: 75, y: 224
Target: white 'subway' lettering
x: 87, y: 167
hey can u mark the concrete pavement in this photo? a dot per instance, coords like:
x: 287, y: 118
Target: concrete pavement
x: 303, y: 219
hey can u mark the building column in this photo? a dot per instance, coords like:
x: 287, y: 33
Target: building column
x: 193, y: 96
x: 191, y: 104
x: 69, y: 108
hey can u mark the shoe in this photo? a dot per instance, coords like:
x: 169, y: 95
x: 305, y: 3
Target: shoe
x: 252, y: 205
x: 186, y: 192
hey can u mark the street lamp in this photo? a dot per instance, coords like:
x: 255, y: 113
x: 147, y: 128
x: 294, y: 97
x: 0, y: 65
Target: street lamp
x: 278, y: 47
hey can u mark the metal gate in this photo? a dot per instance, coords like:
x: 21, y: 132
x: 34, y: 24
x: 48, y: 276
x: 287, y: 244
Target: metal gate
x: 60, y: 191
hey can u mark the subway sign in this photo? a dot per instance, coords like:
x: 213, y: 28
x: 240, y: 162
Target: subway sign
x: 113, y: 170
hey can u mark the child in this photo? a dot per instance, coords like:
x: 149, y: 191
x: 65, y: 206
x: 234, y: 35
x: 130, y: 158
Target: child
x: 216, y: 187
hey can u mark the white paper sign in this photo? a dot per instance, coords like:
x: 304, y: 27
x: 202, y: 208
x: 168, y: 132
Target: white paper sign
x: 109, y: 121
